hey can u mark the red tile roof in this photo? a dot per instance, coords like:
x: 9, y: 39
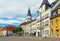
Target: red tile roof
x: 9, y: 27
x: 25, y: 23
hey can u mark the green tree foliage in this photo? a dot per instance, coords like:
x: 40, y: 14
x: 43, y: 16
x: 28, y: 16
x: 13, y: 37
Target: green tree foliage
x: 14, y: 30
x: 18, y: 29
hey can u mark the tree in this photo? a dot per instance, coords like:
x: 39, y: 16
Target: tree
x: 17, y: 29
x: 14, y: 30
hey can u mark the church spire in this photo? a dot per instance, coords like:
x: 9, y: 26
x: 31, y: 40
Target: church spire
x: 29, y: 12
x: 29, y: 16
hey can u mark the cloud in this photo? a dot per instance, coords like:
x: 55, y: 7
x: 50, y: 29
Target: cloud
x: 15, y: 11
x: 18, y: 7
x: 9, y: 21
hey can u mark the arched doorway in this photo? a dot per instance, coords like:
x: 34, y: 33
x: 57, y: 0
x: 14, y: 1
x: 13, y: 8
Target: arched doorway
x: 38, y: 33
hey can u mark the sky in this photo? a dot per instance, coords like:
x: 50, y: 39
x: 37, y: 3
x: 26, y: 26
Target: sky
x: 13, y: 12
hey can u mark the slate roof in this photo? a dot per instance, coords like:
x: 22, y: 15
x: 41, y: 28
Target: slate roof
x: 45, y: 2
x: 57, y: 7
x: 52, y: 4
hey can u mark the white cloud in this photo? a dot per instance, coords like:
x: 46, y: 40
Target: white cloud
x: 11, y: 8
x: 20, y: 6
x: 9, y: 21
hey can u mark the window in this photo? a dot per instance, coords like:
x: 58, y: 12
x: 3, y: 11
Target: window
x: 46, y: 15
x: 57, y: 34
x: 58, y: 11
x: 52, y: 23
x: 52, y: 32
x: 46, y: 32
x: 56, y: 21
x: 42, y: 24
x: 42, y: 31
x: 56, y: 26
x: 47, y: 22
x: 54, y: 13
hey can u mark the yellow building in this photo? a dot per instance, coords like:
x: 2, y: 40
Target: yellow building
x: 55, y: 20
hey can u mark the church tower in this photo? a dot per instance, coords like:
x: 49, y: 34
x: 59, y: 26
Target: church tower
x: 29, y: 16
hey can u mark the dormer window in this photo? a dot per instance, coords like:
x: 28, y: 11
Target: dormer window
x: 54, y: 13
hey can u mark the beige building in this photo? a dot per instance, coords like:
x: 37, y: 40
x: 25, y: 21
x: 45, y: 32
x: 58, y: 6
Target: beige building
x: 31, y: 27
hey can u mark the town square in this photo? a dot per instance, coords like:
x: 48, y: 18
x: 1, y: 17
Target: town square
x: 18, y: 38
x: 30, y: 20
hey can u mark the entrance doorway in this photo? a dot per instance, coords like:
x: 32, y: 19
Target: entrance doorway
x: 57, y: 33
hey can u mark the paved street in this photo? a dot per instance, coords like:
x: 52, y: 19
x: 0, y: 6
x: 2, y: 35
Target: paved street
x: 13, y: 38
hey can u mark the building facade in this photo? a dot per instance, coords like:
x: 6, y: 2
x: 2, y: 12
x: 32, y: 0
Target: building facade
x: 46, y: 24
x: 55, y: 19
x: 45, y: 11
x: 31, y: 27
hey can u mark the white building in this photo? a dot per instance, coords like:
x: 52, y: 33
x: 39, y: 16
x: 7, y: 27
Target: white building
x: 45, y: 11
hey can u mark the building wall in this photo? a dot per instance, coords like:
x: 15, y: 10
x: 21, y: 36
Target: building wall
x: 45, y: 21
x: 55, y: 26
x: 55, y: 20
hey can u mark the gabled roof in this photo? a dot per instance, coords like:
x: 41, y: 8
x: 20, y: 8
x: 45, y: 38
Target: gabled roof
x: 45, y: 2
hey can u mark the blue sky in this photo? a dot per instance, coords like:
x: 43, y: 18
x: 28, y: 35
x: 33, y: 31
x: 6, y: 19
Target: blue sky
x: 13, y: 12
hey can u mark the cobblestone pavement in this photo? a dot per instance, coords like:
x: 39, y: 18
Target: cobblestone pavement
x: 18, y: 38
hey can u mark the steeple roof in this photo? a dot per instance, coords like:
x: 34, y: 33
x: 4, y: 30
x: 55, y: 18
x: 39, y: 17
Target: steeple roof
x: 29, y: 12
x: 45, y: 2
